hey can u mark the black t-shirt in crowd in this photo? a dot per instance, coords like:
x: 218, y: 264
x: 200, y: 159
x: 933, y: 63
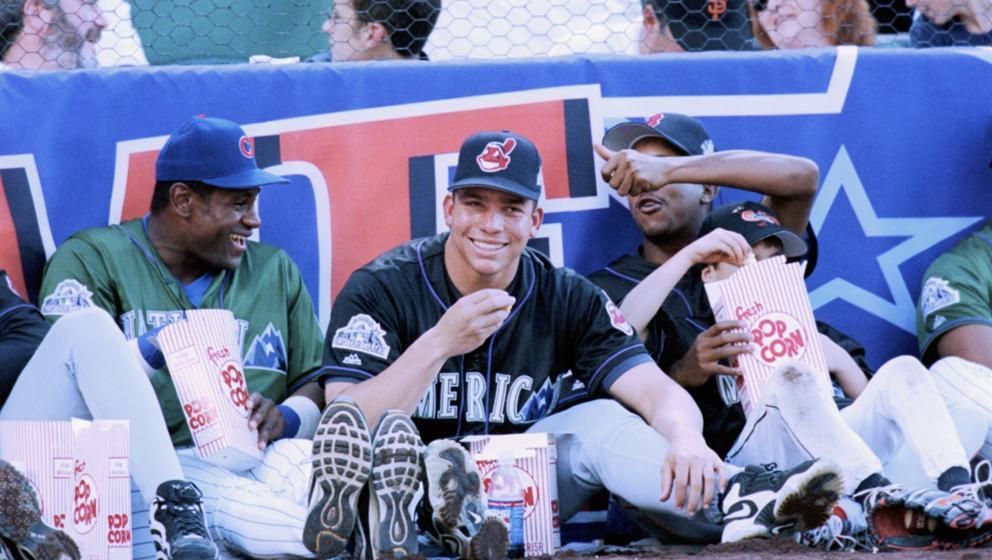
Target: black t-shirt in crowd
x: 22, y: 329
x: 560, y: 322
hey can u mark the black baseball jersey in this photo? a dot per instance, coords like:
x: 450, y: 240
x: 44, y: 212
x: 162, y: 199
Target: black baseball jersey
x: 22, y: 328
x: 684, y: 314
x: 560, y: 322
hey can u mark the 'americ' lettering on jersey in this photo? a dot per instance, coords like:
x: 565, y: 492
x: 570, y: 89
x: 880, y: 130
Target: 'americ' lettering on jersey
x: 510, y: 399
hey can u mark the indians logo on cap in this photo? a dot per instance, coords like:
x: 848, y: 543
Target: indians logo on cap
x: 654, y: 119
x: 247, y: 149
x: 496, y: 156
x: 758, y: 216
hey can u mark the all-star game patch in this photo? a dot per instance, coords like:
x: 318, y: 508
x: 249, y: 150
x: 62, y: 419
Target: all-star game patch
x: 937, y: 294
x: 362, y: 334
x: 70, y: 295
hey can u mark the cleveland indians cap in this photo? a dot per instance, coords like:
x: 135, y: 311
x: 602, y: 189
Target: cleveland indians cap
x: 755, y: 222
x: 504, y: 161
x: 683, y: 132
x: 213, y: 151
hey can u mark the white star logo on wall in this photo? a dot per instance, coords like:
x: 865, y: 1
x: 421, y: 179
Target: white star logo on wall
x: 922, y: 233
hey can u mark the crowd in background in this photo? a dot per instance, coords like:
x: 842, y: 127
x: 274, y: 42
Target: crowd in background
x: 67, y: 34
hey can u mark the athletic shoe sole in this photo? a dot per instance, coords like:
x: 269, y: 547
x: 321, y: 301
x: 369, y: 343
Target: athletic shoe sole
x: 491, y: 541
x: 452, y: 478
x: 807, y: 499
x: 21, y: 524
x: 342, y: 464
x: 396, y: 449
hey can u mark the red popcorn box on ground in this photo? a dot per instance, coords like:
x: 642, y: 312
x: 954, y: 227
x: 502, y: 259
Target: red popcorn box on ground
x: 536, y: 460
x: 771, y: 297
x: 81, y: 473
x: 204, y: 360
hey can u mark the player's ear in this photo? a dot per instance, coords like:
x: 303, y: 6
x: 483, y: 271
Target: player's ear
x: 709, y: 193
x: 449, y: 208
x: 181, y: 199
x: 536, y: 219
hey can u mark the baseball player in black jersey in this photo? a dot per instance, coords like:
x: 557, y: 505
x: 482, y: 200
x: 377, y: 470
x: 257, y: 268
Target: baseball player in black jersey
x: 467, y: 332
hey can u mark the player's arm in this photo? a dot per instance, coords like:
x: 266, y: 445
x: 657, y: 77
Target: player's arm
x: 643, y: 302
x: 22, y: 328
x: 972, y: 342
x: 399, y: 382
x: 76, y: 278
x: 843, y: 367
x: 692, y: 471
x: 788, y: 183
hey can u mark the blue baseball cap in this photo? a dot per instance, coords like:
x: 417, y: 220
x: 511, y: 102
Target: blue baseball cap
x: 212, y: 151
x: 504, y: 161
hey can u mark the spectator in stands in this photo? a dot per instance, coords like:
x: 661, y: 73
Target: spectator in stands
x: 946, y: 23
x: 797, y: 24
x: 49, y: 34
x: 694, y: 25
x: 380, y: 29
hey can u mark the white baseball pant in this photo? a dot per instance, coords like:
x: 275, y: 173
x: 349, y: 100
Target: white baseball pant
x: 962, y: 382
x: 900, y: 407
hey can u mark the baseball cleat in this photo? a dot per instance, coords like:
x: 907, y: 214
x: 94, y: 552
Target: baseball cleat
x: 761, y: 501
x: 396, y: 488
x: 178, y: 525
x: 342, y: 463
x: 21, y: 525
x: 458, y: 520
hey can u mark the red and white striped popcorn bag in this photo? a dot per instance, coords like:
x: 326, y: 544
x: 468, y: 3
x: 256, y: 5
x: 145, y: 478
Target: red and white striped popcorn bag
x: 771, y: 297
x: 80, y: 470
x: 204, y: 360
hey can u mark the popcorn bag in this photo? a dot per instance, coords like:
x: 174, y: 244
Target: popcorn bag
x: 81, y: 473
x: 204, y: 361
x: 536, y: 459
x: 771, y: 297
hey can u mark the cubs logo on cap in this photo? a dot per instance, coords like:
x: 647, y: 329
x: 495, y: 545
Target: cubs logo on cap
x: 496, y: 156
x: 247, y: 148
x: 504, y: 161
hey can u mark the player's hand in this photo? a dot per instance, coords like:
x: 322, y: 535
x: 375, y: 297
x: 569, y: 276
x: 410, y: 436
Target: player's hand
x: 723, y: 341
x: 719, y: 246
x: 266, y: 418
x: 692, y: 473
x: 472, y: 319
x: 631, y: 172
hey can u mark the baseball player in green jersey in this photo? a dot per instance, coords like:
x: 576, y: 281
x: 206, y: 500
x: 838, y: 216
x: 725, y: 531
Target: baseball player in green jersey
x: 954, y: 323
x: 192, y: 251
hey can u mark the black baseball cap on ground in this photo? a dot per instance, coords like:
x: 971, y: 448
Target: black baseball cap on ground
x: 683, y: 132
x: 504, y: 161
x: 755, y: 222
x: 707, y: 25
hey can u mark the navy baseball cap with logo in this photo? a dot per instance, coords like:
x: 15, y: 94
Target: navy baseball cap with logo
x: 707, y: 25
x: 683, y: 132
x: 212, y: 151
x: 755, y: 222
x: 504, y: 161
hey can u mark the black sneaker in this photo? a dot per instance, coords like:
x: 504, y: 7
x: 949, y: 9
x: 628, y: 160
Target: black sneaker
x: 396, y: 488
x: 454, y: 515
x: 177, y: 523
x: 26, y: 535
x: 342, y: 463
x: 761, y: 501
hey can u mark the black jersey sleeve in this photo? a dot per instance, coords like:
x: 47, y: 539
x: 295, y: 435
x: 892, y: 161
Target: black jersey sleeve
x: 605, y: 345
x: 362, y: 339
x: 22, y: 329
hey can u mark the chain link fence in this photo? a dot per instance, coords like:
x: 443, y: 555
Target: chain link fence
x: 54, y: 34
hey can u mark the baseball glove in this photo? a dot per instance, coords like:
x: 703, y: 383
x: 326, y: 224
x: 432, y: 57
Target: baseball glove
x: 925, y: 519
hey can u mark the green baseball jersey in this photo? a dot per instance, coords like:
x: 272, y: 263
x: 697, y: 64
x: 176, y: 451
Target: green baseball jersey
x: 116, y: 268
x: 957, y: 290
